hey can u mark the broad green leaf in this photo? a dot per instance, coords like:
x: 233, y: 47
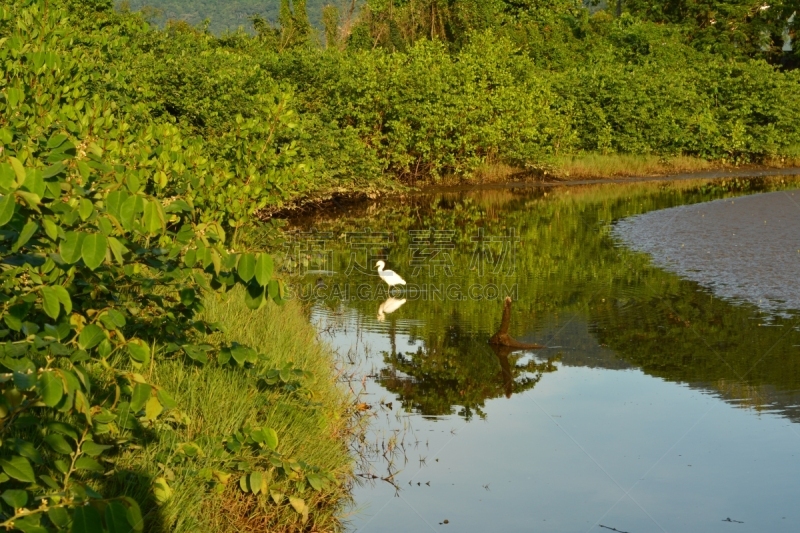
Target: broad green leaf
x: 126, y: 416
x: 51, y: 388
x: 277, y: 496
x: 8, y: 180
x: 19, y: 170
x: 116, y: 518
x: 56, y: 140
x: 141, y: 393
x: 153, y: 408
x: 63, y: 298
x: 132, y: 181
x: 94, y: 250
x: 85, y: 208
x: 254, y: 482
x: 50, y: 302
x: 153, y: 219
x: 50, y: 229
x: 246, y: 267
x: 114, y: 202
x: 93, y: 449
x: 24, y: 380
x: 254, y: 296
x: 161, y: 490
x: 166, y: 399
x: 201, y: 280
x: 274, y: 289
x: 26, y: 449
x: 53, y: 170
x: 117, y: 318
x: 34, y: 182
x: 15, y: 498
x: 7, y: 208
x: 128, y: 211
x: 58, y: 443
x: 315, y: 481
x: 139, y: 351
x: 118, y: 249
x: 28, y: 230
x: 33, y: 200
x: 264, y: 269
x: 272, y: 438
x: 242, y: 354
x: 82, y: 405
x: 190, y: 258
x: 86, y: 519
x: 91, y: 336
x: 106, y: 228
x: 18, y: 468
x: 134, y: 514
x: 64, y: 429
x: 59, y: 516
x: 71, y: 247
x: 196, y: 353
x: 299, y: 505
x: 87, y: 463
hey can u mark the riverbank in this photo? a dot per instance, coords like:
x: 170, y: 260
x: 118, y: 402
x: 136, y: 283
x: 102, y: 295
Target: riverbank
x: 504, y: 177
x: 309, y: 414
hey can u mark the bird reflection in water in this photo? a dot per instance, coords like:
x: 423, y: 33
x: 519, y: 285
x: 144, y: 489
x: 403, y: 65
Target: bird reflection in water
x: 389, y: 306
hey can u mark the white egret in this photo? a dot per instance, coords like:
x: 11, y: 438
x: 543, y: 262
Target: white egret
x: 389, y: 276
x: 389, y: 306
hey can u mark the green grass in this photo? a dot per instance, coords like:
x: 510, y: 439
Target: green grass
x: 609, y: 166
x: 599, y: 166
x: 219, y: 400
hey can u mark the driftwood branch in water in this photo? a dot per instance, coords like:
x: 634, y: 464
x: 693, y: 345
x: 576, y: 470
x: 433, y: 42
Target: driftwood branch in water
x: 501, y: 338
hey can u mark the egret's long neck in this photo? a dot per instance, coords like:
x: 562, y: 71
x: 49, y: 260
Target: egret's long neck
x: 380, y: 268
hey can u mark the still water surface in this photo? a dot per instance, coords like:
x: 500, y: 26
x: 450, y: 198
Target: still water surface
x: 656, y: 404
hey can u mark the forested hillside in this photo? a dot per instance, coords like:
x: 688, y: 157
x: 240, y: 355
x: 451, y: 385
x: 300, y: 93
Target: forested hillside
x: 227, y: 15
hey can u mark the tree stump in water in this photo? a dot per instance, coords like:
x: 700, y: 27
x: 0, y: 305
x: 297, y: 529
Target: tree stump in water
x: 501, y: 338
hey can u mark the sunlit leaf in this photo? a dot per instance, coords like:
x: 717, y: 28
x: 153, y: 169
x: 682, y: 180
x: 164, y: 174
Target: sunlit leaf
x: 246, y: 267
x: 51, y: 388
x: 93, y: 250
x: 18, y: 468
x: 7, y: 208
x: 91, y: 336
x: 263, y: 269
x: 50, y: 302
x: 71, y: 246
x: 141, y: 393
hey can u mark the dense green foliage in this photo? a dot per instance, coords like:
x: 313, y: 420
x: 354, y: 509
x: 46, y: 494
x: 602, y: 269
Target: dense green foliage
x: 421, y: 90
x: 114, y: 224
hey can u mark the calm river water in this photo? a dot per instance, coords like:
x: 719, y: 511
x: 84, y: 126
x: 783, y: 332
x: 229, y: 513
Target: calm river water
x: 667, y: 397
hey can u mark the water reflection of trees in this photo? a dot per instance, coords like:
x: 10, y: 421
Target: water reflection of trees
x: 672, y: 330
x: 458, y: 371
x: 566, y: 263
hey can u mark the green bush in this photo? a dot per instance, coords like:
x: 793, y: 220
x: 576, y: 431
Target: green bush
x: 113, y: 225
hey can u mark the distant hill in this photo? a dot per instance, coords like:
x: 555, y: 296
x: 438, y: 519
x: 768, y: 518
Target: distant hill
x: 225, y: 15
